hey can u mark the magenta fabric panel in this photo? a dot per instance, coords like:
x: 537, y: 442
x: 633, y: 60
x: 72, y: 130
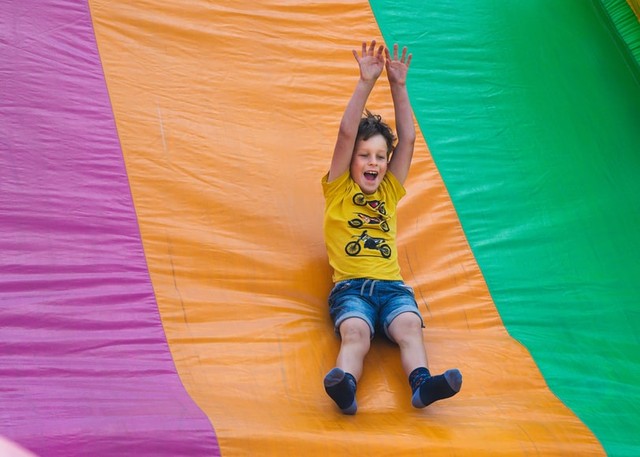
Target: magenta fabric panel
x: 85, y: 368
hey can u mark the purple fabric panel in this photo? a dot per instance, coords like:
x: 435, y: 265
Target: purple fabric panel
x: 85, y: 368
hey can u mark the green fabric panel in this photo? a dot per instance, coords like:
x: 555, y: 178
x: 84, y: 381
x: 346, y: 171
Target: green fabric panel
x: 532, y: 114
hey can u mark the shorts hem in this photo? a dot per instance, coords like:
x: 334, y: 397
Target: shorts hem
x: 398, y: 312
x: 350, y: 315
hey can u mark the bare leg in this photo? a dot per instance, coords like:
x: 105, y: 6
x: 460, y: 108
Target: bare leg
x: 340, y: 383
x: 406, y: 330
x: 356, y: 341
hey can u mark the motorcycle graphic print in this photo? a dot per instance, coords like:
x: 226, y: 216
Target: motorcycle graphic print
x: 364, y: 219
x: 371, y: 219
x: 353, y: 248
x: 378, y: 206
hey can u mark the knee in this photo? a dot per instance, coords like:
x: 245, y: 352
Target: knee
x: 406, y: 328
x: 355, y: 331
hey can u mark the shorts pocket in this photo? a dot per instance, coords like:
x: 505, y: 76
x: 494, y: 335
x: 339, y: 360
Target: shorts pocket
x: 340, y: 286
x: 407, y: 289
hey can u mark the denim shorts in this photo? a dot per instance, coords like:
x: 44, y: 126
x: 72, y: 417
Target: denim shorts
x: 377, y: 302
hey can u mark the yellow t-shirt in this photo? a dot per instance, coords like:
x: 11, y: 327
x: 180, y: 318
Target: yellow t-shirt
x: 360, y: 229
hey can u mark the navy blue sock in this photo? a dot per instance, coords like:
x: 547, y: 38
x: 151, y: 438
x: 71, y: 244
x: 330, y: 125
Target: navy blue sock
x: 427, y: 389
x: 341, y: 387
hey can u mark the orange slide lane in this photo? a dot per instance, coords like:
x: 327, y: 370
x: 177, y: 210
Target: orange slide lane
x: 227, y: 112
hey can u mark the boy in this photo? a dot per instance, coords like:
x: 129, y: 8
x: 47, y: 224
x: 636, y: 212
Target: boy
x: 361, y: 190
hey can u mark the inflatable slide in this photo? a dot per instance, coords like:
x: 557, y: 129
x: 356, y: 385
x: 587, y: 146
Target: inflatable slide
x: 163, y: 275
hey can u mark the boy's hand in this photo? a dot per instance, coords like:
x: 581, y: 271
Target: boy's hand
x: 371, y: 62
x: 397, y: 67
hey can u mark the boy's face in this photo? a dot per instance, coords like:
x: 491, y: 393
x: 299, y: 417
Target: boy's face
x: 369, y: 163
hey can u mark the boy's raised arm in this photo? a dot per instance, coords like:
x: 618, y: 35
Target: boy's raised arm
x: 397, y: 68
x: 371, y: 63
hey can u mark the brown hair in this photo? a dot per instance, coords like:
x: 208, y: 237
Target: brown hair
x: 372, y: 124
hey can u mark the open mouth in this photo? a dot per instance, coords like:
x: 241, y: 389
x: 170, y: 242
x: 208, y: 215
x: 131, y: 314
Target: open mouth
x: 370, y: 175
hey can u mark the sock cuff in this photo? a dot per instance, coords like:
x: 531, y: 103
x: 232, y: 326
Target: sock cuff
x: 418, y: 376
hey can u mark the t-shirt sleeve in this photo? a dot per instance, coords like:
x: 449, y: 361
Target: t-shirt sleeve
x: 329, y: 188
x: 395, y: 187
